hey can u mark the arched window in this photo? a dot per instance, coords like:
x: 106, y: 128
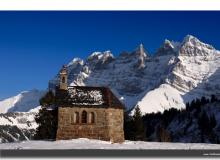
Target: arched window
x: 63, y: 80
x: 84, y: 117
x: 75, y: 118
x: 92, y: 117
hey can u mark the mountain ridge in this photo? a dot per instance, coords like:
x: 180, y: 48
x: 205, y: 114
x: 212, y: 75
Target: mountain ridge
x: 176, y: 73
x: 176, y: 68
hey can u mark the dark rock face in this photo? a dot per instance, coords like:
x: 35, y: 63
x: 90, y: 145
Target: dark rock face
x: 19, y: 127
x: 13, y: 133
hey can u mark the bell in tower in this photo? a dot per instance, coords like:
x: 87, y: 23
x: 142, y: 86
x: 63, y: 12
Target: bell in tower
x: 63, y: 78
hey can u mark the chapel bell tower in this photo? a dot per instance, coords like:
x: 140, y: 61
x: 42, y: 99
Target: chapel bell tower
x: 63, y: 78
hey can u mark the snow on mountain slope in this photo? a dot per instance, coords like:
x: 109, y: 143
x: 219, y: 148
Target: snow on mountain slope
x: 22, y: 120
x: 17, y: 126
x: 129, y: 76
x: 161, y: 98
x: 177, y: 73
x: 23, y: 102
x: 17, y: 114
x: 196, y: 74
x: 83, y: 143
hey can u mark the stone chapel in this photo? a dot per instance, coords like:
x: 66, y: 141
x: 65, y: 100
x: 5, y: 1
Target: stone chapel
x: 88, y: 112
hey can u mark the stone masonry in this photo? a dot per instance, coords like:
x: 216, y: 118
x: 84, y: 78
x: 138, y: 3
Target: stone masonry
x: 108, y: 124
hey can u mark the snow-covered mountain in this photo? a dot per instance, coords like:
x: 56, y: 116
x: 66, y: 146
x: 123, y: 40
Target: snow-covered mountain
x: 17, y: 126
x: 195, y: 73
x: 17, y: 116
x: 177, y: 73
x: 26, y: 101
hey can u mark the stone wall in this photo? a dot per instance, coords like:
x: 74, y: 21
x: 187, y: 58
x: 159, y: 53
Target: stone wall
x: 116, y: 125
x: 108, y: 124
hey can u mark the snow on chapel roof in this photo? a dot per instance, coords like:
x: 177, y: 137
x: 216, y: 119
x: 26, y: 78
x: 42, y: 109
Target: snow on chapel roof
x: 89, y: 97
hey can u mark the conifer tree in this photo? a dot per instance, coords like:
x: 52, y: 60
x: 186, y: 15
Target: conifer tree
x: 48, y: 99
x: 188, y: 106
x: 129, y: 129
x: 46, y: 118
x: 198, y: 103
x: 138, y: 124
x: 213, y: 98
x: 204, y: 125
x: 212, y: 121
x: 163, y: 134
x: 203, y: 100
x: 193, y: 104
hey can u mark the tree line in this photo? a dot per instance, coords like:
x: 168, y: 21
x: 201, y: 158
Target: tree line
x: 138, y: 127
x: 155, y: 126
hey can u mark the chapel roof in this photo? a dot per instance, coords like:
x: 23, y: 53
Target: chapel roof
x: 84, y: 96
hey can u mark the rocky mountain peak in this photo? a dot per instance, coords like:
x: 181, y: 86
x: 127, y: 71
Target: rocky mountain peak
x: 192, y: 46
x: 141, y: 54
x: 190, y: 40
x: 99, y: 60
x: 95, y: 55
x: 107, y: 55
x: 100, y: 56
x: 76, y: 61
x: 140, y: 51
x: 167, y: 44
x: 167, y: 48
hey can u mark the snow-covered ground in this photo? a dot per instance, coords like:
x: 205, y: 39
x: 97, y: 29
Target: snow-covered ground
x: 83, y: 143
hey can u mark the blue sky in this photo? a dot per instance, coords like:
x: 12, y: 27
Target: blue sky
x: 34, y: 45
